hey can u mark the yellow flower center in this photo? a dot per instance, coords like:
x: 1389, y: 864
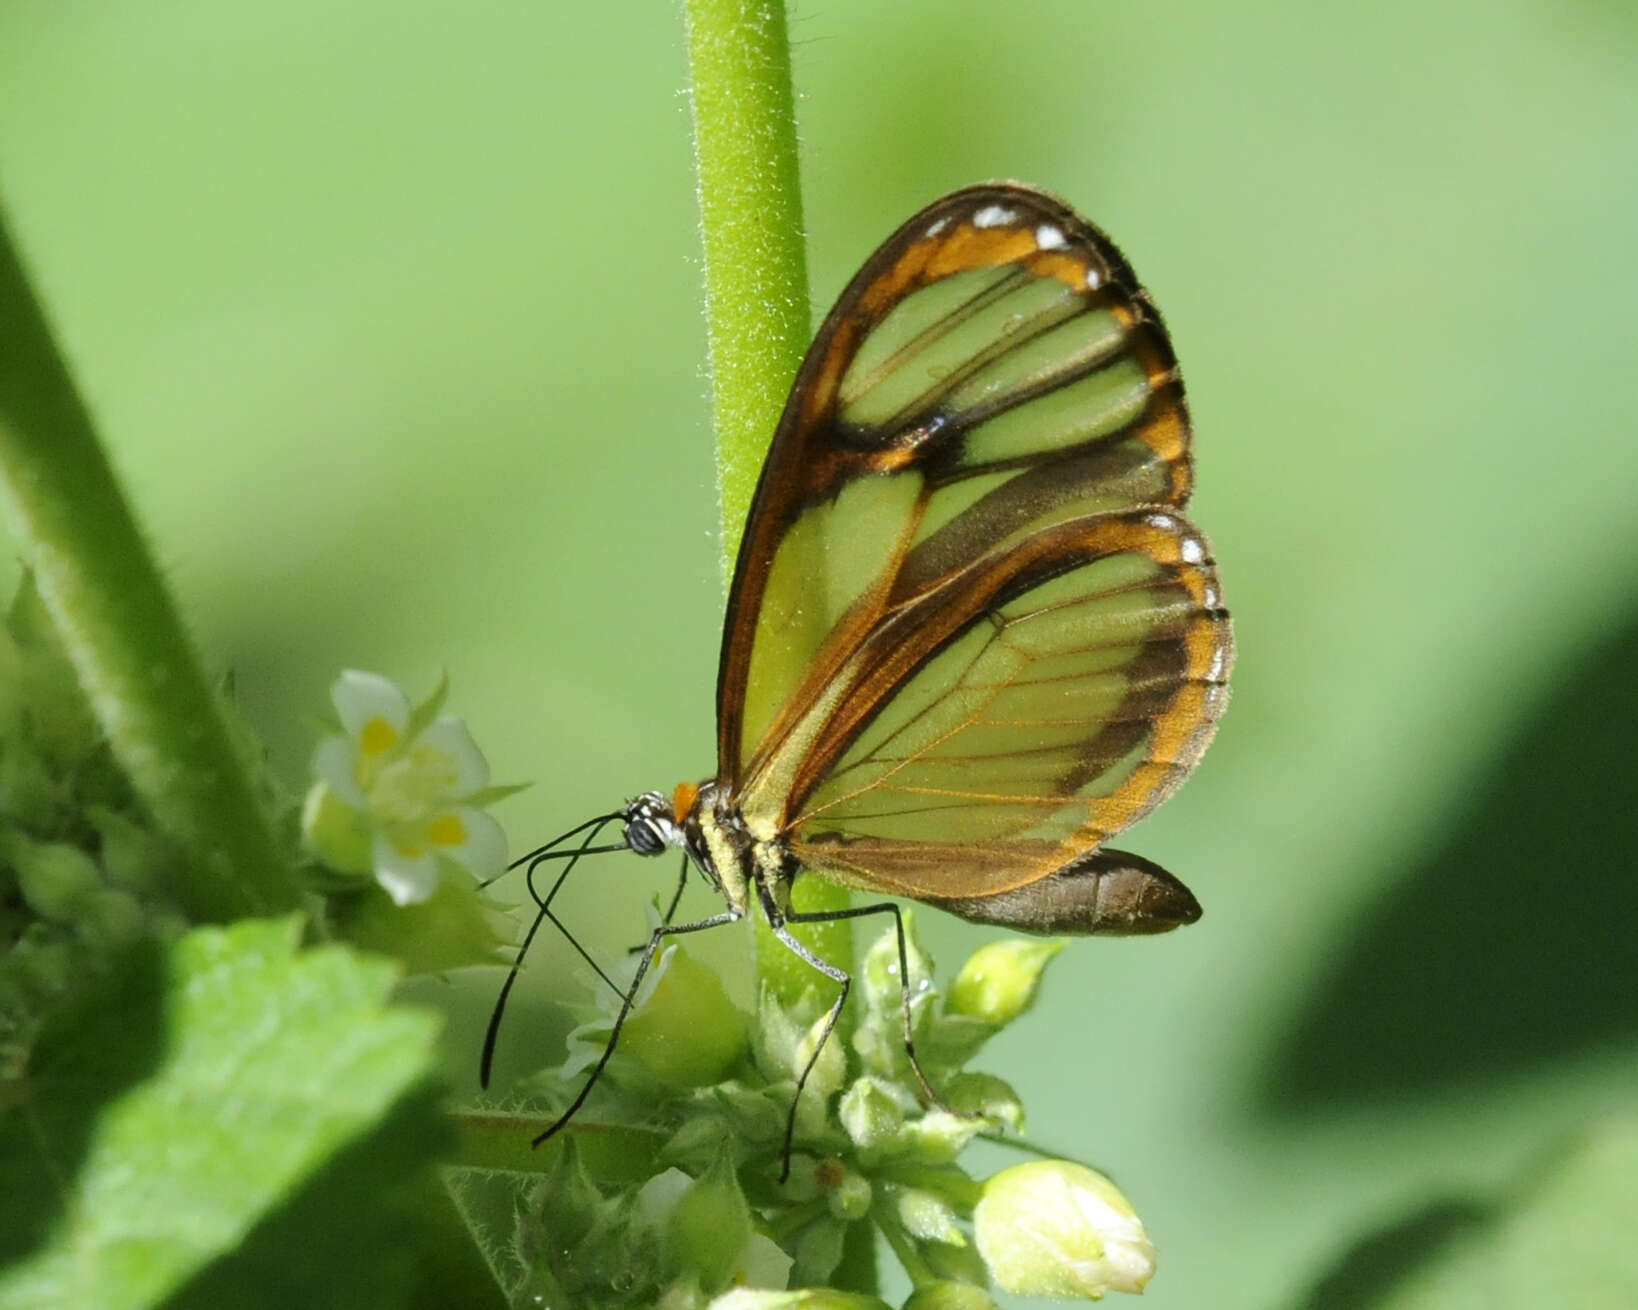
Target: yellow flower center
x: 377, y: 736
x: 446, y: 830
x: 413, y: 788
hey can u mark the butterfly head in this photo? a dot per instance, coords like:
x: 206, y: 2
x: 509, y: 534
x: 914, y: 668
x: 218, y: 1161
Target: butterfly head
x: 651, y: 823
x: 655, y: 822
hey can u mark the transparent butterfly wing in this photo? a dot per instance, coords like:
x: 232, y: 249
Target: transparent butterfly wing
x: 970, y: 636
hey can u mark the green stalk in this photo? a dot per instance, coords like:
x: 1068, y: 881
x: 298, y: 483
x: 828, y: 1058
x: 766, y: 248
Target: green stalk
x: 756, y: 272
x: 758, y: 321
x: 121, y: 631
x: 917, y: 1268
x: 502, y: 1141
x: 757, y: 313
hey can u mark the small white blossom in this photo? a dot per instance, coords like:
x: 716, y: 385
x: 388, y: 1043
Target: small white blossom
x: 398, y: 795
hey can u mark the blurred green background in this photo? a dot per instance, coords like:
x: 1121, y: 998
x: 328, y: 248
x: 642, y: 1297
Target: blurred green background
x: 390, y: 316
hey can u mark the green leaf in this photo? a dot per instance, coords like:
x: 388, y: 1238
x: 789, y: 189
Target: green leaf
x: 207, y: 1110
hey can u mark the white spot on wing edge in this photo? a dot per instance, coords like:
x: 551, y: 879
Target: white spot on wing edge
x: 937, y: 225
x: 1094, y: 278
x: 1192, y: 549
x: 995, y: 216
x: 1050, y: 238
x: 1165, y: 522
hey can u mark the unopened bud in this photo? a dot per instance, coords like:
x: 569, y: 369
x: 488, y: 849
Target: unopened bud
x: 1053, y: 1228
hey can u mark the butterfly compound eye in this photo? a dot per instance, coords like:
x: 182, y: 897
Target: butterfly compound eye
x: 649, y: 825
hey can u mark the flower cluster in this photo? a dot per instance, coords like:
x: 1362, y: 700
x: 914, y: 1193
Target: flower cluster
x: 82, y: 871
x: 667, y: 1191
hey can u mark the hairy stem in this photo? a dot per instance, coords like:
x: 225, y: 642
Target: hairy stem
x: 756, y: 275
x: 120, y: 628
x: 756, y: 302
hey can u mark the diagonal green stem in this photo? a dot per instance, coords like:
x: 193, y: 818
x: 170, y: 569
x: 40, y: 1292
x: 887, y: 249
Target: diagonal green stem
x: 757, y: 314
x: 120, y: 628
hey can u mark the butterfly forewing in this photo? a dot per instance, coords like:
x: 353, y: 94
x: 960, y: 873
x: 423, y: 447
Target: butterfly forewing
x: 969, y: 635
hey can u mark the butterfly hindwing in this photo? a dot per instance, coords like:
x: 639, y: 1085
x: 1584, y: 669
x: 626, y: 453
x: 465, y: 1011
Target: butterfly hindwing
x: 970, y: 636
x: 1038, y: 702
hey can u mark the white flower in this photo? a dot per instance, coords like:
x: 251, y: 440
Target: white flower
x: 398, y: 792
x: 1052, y: 1228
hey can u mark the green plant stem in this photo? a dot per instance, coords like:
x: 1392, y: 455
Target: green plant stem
x: 756, y: 275
x: 1025, y: 1146
x: 757, y: 314
x: 119, y: 627
x: 499, y: 1142
x: 902, y: 1246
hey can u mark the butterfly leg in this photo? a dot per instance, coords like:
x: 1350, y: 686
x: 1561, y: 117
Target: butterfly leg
x: 887, y: 907
x: 655, y: 939
x: 777, y: 921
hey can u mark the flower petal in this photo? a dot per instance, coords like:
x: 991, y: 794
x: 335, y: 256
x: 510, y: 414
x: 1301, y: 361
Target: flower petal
x: 762, y: 1264
x: 333, y: 762
x: 472, y: 839
x: 408, y: 877
x: 363, y: 699
x: 449, y: 736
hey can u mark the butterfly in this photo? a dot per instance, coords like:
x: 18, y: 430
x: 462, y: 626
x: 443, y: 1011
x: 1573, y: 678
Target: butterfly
x: 971, y: 635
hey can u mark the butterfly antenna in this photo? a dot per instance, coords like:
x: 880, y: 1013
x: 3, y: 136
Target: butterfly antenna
x: 545, y: 904
x: 551, y: 846
x: 535, y: 859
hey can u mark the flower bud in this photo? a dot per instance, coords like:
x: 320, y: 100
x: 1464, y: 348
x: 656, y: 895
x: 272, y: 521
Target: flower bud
x: 986, y: 1095
x: 870, y: 1113
x: 132, y: 857
x: 945, y: 1295
x: 935, y: 1138
x: 999, y: 981
x: 879, y: 973
x: 830, y: 1066
x: 849, y: 1195
x: 927, y: 1216
x: 1054, y: 1228
x: 711, y: 1225
x: 54, y: 878
x: 686, y: 1031
x: 110, y: 918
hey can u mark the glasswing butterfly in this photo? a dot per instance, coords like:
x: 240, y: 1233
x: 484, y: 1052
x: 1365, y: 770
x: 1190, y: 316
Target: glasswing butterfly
x: 970, y: 635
